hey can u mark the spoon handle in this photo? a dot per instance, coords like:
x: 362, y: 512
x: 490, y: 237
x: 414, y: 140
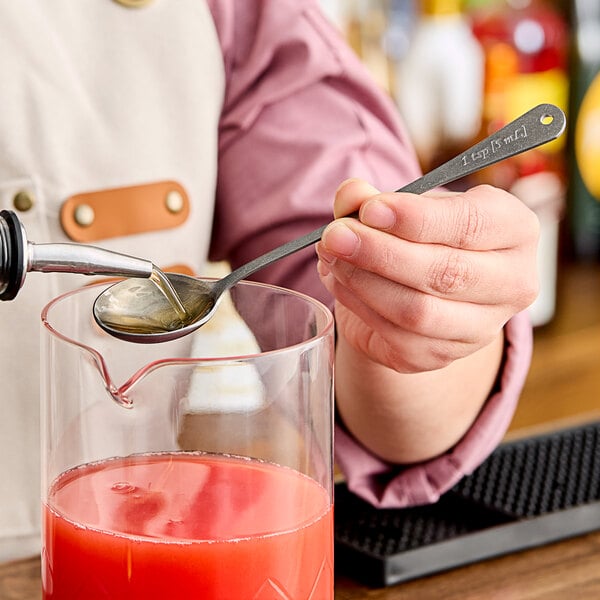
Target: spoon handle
x: 538, y: 126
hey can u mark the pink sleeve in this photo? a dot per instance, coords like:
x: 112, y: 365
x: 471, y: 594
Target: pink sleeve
x: 300, y: 115
x: 388, y: 485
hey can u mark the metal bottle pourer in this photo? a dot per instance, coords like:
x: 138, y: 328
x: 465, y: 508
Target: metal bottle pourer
x: 18, y: 256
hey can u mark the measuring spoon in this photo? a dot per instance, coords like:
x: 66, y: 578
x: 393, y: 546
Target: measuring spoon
x: 137, y: 310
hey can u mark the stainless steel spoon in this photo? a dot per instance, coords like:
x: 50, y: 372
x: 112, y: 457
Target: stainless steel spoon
x: 137, y: 310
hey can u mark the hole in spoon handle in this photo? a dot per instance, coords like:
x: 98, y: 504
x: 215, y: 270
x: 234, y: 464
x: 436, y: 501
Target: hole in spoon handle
x: 538, y: 126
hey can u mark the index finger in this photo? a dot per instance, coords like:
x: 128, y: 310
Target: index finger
x: 482, y: 218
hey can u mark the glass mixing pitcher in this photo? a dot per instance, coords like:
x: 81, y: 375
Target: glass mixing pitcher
x: 197, y: 468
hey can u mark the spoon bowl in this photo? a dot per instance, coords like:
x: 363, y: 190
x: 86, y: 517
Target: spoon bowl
x: 137, y: 310
x: 134, y: 309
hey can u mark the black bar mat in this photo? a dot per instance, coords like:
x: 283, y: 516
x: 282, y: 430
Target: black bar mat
x: 529, y: 492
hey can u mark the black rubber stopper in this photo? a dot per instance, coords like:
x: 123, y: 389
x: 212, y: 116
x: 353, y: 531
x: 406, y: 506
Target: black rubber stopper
x: 16, y: 255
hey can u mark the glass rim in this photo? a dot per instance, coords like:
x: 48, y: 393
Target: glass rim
x: 326, y: 330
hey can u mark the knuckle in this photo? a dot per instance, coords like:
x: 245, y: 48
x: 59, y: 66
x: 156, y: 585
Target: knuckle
x: 451, y: 274
x: 413, y: 317
x: 471, y: 224
x: 442, y: 353
x: 345, y: 273
x: 403, y: 361
x: 434, y: 359
x: 417, y: 313
x: 525, y: 286
x: 529, y: 226
x: 397, y: 360
x: 528, y: 290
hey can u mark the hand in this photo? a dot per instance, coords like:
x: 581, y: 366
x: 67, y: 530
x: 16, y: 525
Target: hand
x: 421, y: 281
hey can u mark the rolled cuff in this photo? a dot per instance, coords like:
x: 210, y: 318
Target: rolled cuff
x: 387, y: 485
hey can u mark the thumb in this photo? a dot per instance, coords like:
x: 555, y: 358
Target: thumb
x: 350, y: 195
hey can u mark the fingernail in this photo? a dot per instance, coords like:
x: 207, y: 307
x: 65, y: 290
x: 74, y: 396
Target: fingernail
x: 340, y: 239
x: 377, y: 214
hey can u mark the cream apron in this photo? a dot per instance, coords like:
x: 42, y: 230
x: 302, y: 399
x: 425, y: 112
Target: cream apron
x: 108, y: 135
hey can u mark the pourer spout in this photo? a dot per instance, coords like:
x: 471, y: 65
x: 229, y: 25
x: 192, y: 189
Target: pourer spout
x: 18, y: 256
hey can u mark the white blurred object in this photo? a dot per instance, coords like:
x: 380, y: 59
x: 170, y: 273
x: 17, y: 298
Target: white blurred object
x: 544, y: 193
x: 439, y: 83
x: 336, y: 10
x: 214, y: 390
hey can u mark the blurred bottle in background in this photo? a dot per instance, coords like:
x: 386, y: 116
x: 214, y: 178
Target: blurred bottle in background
x: 364, y: 23
x: 584, y: 184
x: 335, y: 10
x: 439, y: 81
x: 379, y: 31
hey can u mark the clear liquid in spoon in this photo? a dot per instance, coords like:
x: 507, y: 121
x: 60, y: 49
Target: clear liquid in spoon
x: 167, y: 289
x: 154, y: 305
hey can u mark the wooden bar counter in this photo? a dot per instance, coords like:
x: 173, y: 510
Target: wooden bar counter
x: 563, y: 388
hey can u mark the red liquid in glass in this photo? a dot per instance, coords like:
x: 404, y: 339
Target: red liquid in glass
x: 174, y: 526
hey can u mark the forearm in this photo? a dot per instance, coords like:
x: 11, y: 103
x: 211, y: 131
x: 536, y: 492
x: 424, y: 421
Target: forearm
x: 407, y: 418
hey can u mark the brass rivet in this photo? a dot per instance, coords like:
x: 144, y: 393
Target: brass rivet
x: 133, y: 3
x: 174, y: 201
x: 23, y: 201
x: 84, y: 215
